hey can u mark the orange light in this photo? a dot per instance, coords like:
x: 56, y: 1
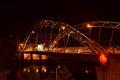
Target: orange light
x: 63, y: 27
x: 33, y: 32
x: 27, y: 56
x: 103, y: 59
x: 20, y: 46
x: 44, y: 57
x: 44, y: 69
x: 35, y: 57
x: 25, y: 70
x: 89, y: 26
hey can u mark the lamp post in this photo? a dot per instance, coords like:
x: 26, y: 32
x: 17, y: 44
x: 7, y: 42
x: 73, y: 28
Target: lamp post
x: 89, y: 26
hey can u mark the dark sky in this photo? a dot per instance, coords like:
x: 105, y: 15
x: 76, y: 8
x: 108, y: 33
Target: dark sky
x: 16, y: 17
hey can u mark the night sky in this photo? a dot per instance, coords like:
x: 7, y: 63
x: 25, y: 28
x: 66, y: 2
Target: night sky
x: 17, y: 16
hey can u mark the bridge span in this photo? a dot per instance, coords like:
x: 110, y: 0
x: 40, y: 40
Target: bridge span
x: 56, y: 51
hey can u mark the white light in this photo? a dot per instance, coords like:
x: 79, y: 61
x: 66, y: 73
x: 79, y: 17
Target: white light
x: 86, y: 71
x: 37, y: 70
x: 44, y: 69
x: 63, y: 27
x: 40, y: 47
x: 28, y: 70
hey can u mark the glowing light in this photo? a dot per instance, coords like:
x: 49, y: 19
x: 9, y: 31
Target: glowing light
x: 59, y: 66
x: 103, y: 59
x: 25, y: 70
x: 21, y: 44
x: 33, y: 32
x: 27, y: 56
x: 40, y: 47
x: 89, y: 26
x: 44, y: 69
x: 36, y: 57
x: 86, y: 71
x: 63, y: 27
x: 44, y: 57
x: 37, y: 70
x: 29, y: 48
x: 28, y: 70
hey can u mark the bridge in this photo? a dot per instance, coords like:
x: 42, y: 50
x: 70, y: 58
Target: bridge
x: 53, y: 49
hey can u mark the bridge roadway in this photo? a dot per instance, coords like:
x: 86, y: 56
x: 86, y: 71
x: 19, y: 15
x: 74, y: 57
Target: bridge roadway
x: 68, y: 57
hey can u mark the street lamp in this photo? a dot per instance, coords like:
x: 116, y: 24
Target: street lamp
x: 63, y: 27
x: 89, y: 26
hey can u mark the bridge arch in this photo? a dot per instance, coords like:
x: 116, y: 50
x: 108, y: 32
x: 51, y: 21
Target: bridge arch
x: 55, y: 31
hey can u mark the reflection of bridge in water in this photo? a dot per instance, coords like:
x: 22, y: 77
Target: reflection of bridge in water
x: 53, y: 49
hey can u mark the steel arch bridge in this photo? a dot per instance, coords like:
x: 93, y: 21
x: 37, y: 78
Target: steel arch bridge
x: 58, y: 37
x: 50, y: 33
x: 61, y: 41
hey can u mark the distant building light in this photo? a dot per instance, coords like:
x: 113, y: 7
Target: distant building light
x: 44, y: 69
x: 37, y: 70
x: 59, y: 66
x: 86, y: 71
x: 24, y: 70
x: 33, y: 32
x: 28, y: 70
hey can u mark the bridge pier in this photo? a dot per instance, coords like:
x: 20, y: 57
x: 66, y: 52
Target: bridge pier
x: 112, y: 72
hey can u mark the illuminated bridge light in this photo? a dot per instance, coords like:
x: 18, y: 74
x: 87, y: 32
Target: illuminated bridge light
x: 27, y: 56
x: 28, y: 69
x: 33, y: 32
x: 63, y: 27
x: 86, y: 71
x: 25, y: 70
x: 35, y: 57
x: 89, y: 26
x: 40, y: 47
x: 37, y: 70
x: 20, y: 46
x: 103, y: 58
x: 44, y: 69
x: 44, y: 57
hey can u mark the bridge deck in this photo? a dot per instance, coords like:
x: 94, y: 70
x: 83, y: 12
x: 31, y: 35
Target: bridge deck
x: 69, y: 58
